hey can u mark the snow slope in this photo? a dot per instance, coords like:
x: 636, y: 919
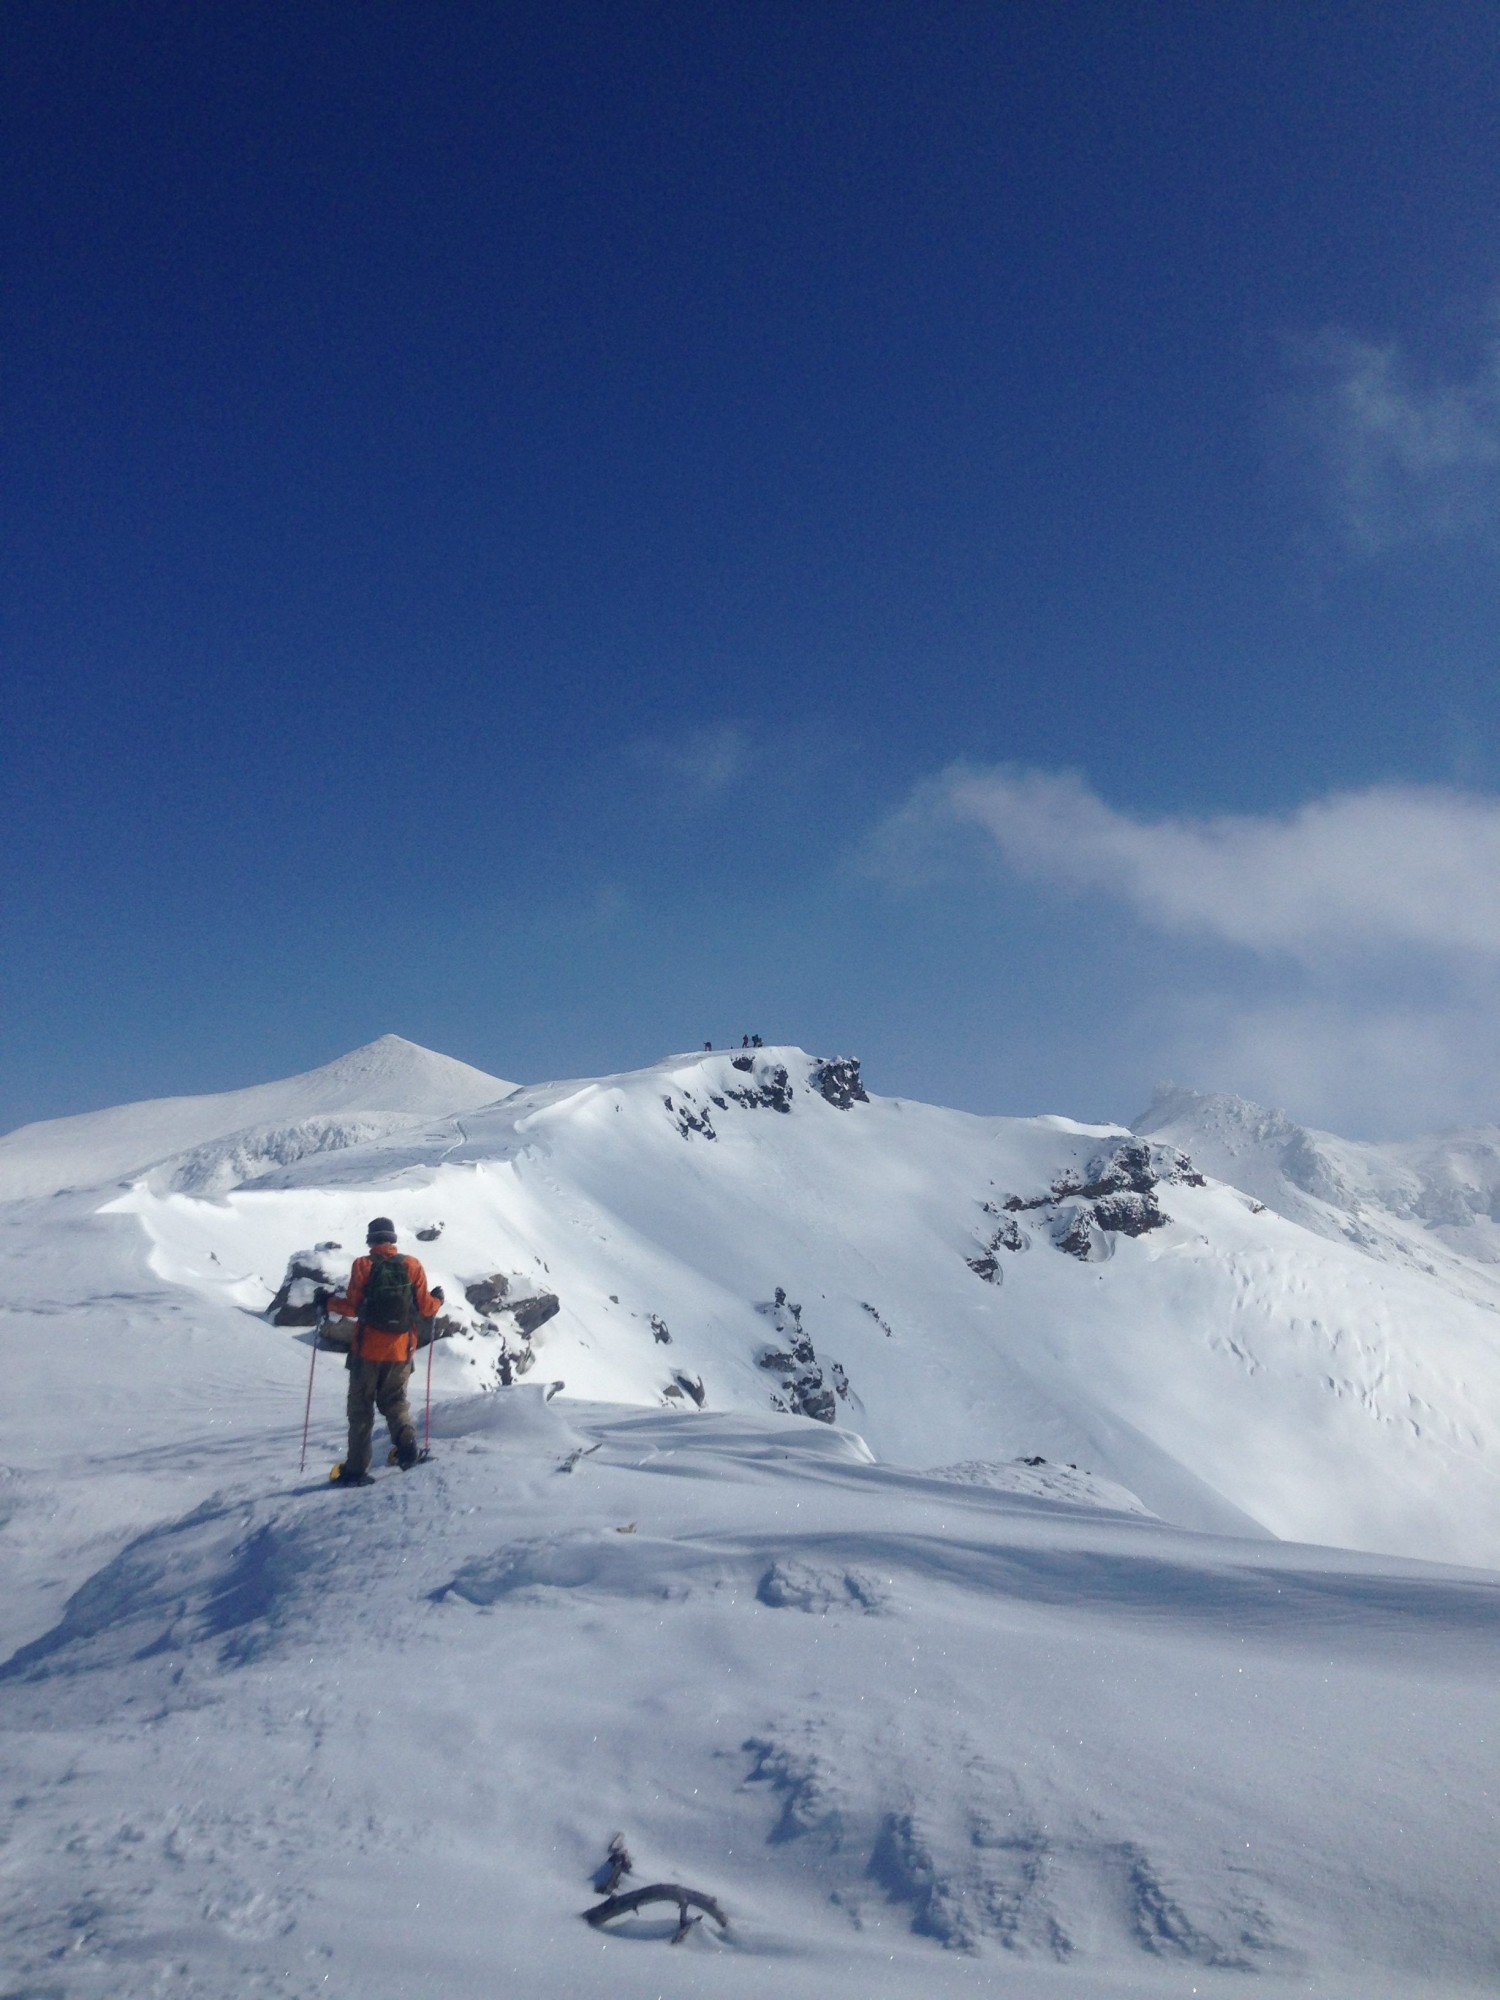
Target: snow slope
x: 1000, y: 1681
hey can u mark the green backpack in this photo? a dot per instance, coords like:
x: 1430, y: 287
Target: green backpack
x: 389, y: 1304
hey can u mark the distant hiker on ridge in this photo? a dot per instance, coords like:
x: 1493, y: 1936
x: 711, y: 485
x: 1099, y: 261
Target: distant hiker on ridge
x: 386, y: 1294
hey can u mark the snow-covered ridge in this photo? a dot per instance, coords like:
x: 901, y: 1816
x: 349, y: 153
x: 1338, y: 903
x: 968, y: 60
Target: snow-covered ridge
x: 756, y: 1231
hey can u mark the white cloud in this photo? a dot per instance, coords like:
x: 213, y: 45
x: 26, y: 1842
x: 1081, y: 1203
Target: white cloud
x: 1342, y: 1061
x: 1402, y: 460
x: 1393, y: 868
x: 1363, y: 990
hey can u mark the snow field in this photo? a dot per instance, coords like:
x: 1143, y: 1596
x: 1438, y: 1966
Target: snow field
x: 349, y: 1742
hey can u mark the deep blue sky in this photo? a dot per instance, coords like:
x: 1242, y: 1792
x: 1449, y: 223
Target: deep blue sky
x: 501, y: 501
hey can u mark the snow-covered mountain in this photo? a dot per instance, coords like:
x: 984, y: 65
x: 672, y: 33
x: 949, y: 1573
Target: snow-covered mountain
x: 1398, y: 1198
x: 898, y: 1522
x: 369, y: 1092
x: 950, y: 1286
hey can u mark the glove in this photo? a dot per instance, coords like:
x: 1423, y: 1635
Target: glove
x: 437, y: 1293
x: 321, y: 1297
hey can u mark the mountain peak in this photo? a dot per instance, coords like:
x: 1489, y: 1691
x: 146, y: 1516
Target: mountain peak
x: 393, y: 1069
x: 389, y: 1076
x: 1236, y: 1124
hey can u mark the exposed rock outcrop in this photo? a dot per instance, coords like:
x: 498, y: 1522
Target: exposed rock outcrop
x: 771, y: 1091
x: 487, y: 1295
x: 1081, y: 1212
x: 687, y: 1386
x: 1004, y: 1233
x: 688, y: 1118
x: 513, y: 1320
x: 307, y: 1271
x: 837, y: 1078
x: 803, y: 1389
x: 534, y: 1312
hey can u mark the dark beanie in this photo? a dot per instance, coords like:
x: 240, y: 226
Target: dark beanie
x: 381, y: 1230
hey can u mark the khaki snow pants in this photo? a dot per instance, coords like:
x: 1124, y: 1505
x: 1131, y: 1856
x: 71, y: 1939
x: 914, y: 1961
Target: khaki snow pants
x: 376, y: 1385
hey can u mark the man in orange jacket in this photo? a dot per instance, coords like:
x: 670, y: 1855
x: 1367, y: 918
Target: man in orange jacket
x: 387, y: 1294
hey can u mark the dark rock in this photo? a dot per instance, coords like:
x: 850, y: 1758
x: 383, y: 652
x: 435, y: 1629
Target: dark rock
x: 838, y: 1079
x: 511, y: 1362
x: 688, y: 1121
x: 815, y: 1401
x: 531, y: 1313
x: 659, y: 1330
x: 774, y: 1092
x: 1134, y: 1167
x: 689, y: 1387
x: 430, y: 1235
x: 804, y: 1391
x: 1115, y: 1196
x: 487, y: 1295
x: 746, y: 1063
x: 1006, y: 1235
x: 1075, y: 1234
x: 1130, y: 1213
x: 306, y: 1273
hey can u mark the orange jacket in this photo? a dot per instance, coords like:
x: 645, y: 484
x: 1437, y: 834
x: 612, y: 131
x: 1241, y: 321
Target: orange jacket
x: 368, y: 1344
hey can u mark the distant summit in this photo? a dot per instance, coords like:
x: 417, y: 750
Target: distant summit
x: 393, y: 1074
x: 387, y: 1077
x: 1396, y: 1196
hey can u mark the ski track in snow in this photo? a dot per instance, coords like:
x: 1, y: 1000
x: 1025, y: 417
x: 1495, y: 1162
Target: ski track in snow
x: 1007, y: 1723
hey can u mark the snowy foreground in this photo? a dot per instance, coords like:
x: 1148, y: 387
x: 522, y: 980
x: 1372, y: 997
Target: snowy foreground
x: 925, y: 1718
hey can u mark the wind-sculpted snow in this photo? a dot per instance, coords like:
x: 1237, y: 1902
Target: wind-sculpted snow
x: 246, y: 1157
x: 231, y: 1578
x: 1033, y: 1476
x: 898, y: 1724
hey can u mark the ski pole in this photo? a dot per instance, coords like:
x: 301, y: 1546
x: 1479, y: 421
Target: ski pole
x: 322, y: 1321
x: 427, y: 1413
